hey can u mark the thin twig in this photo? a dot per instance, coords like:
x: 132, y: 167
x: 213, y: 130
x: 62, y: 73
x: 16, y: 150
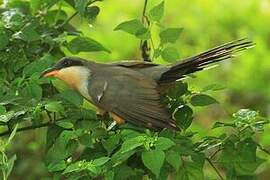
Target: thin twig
x: 49, y: 116
x: 67, y: 20
x: 29, y: 128
x: 263, y: 149
x: 144, y: 43
x: 144, y: 10
x: 214, y: 154
x: 213, y: 166
x: 26, y: 128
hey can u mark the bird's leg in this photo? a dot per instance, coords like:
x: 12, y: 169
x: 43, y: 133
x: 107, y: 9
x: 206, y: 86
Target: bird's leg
x: 117, y: 120
x: 111, y: 125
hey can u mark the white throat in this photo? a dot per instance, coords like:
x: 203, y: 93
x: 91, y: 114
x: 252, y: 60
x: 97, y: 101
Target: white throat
x: 77, y: 77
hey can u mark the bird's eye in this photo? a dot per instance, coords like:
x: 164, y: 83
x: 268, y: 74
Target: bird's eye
x: 66, y: 63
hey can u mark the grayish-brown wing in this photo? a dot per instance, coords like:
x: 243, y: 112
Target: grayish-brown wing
x: 149, y: 69
x: 131, y: 96
x: 135, y: 64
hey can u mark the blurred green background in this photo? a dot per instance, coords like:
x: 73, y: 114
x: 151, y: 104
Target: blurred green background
x: 206, y: 24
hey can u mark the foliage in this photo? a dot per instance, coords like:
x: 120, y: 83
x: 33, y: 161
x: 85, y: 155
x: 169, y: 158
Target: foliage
x: 34, y: 34
x: 6, y: 164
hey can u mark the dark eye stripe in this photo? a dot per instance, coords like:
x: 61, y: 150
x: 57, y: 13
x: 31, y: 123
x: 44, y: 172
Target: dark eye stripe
x: 67, y: 62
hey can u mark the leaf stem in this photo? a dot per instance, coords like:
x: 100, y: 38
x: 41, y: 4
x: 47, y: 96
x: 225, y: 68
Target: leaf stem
x: 213, y: 166
x: 263, y: 149
x: 67, y: 20
x: 144, y: 11
x: 214, y: 154
x: 144, y: 43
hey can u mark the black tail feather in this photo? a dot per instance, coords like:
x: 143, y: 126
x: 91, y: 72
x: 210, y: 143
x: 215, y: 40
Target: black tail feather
x: 203, y: 60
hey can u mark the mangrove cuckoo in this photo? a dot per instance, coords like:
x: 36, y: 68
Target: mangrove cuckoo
x: 130, y: 90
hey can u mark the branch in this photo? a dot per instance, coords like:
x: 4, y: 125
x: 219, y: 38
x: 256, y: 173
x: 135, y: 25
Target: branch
x: 145, y: 49
x: 263, y: 149
x: 214, y: 154
x: 216, y: 170
x: 144, y: 11
x: 67, y: 20
x: 8, y: 132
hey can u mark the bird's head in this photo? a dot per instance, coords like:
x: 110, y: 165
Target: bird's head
x: 70, y: 70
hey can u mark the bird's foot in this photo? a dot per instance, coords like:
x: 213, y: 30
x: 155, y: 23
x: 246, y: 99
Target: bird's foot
x: 111, y: 125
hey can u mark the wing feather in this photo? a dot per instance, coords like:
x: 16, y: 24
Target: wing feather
x: 132, y: 96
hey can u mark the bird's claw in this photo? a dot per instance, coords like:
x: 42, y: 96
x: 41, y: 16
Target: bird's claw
x: 111, y: 126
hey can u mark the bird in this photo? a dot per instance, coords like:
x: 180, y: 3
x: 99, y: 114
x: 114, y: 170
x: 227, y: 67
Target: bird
x: 130, y: 91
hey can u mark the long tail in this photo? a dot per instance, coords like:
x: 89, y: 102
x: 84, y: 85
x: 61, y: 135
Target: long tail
x: 203, y: 60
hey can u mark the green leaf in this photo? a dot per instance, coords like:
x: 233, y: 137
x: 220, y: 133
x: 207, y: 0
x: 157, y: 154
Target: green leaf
x: 202, y: 100
x: 109, y: 175
x: 134, y: 27
x: 80, y: 6
x: 36, y: 67
x: 143, y: 34
x: 91, y: 13
x: 99, y: 133
x: 7, y: 116
x: 72, y: 97
x: 174, y: 159
x: 245, y: 114
x: 184, y: 146
x: 86, y: 140
x: 62, y: 147
x: 75, y: 167
x: 22, y: 6
x: 240, y: 157
x: 28, y: 33
x: 111, y: 143
x: 222, y: 124
x: 85, y: 44
x: 52, y: 134
x: 2, y: 109
x: 129, y: 134
x: 34, y: 90
x: 54, y: 106
x: 163, y: 143
x: 55, y: 15
x: 100, y: 161
x: 10, y: 165
x: 213, y: 87
x: 184, y: 116
x: 190, y: 170
x: 13, y: 19
x: 156, y: 13
x: 170, y: 35
x: 64, y: 124
x: 119, y: 157
x: 132, y: 143
x: 4, y: 38
x: 37, y: 5
x: 157, y: 53
x: 153, y: 160
x: 170, y: 54
x: 94, y: 169
x: 198, y: 158
x: 57, y: 166
x: 13, y: 133
x: 179, y: 90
